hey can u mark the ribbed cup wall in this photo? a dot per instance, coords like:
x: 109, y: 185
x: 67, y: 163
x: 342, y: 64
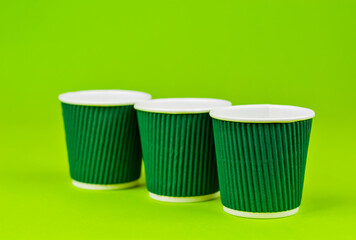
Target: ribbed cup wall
x: 178, y: 152
x: 103, y: 143
x: 261, y: 165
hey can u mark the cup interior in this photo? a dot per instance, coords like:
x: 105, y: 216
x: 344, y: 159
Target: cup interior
x: 181, y: 105
x: 104, y: 97
x: 262, y: 113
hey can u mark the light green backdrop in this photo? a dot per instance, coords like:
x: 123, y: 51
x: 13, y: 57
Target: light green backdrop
x: 283, y: 52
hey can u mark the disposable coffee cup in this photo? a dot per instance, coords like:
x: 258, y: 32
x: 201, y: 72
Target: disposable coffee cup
x: 103, y: 143
x: 178, y: 148
x: 261, y: 157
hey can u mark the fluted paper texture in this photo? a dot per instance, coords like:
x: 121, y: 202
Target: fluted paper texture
x: 261, y: 165
x: 103, y: 143
x: 178, y: 152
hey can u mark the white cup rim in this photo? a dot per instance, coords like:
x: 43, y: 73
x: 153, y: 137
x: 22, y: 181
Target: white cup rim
x: 181, y: 105
x: 262, y: 113
x: 104, y: 97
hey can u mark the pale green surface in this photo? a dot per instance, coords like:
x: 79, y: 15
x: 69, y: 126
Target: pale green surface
x: 282, y: 52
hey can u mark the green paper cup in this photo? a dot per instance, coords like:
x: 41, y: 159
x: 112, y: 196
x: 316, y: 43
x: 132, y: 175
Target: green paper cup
x: 102, y: 138
x: 261, y: 156
x: 178, y: 148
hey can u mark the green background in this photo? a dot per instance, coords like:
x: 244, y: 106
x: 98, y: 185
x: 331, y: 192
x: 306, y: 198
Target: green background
x: 282, y: 52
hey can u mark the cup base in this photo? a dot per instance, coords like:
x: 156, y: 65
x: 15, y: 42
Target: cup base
x: 105, y: 186
x: 184, y: 199
x: 261, y: 214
